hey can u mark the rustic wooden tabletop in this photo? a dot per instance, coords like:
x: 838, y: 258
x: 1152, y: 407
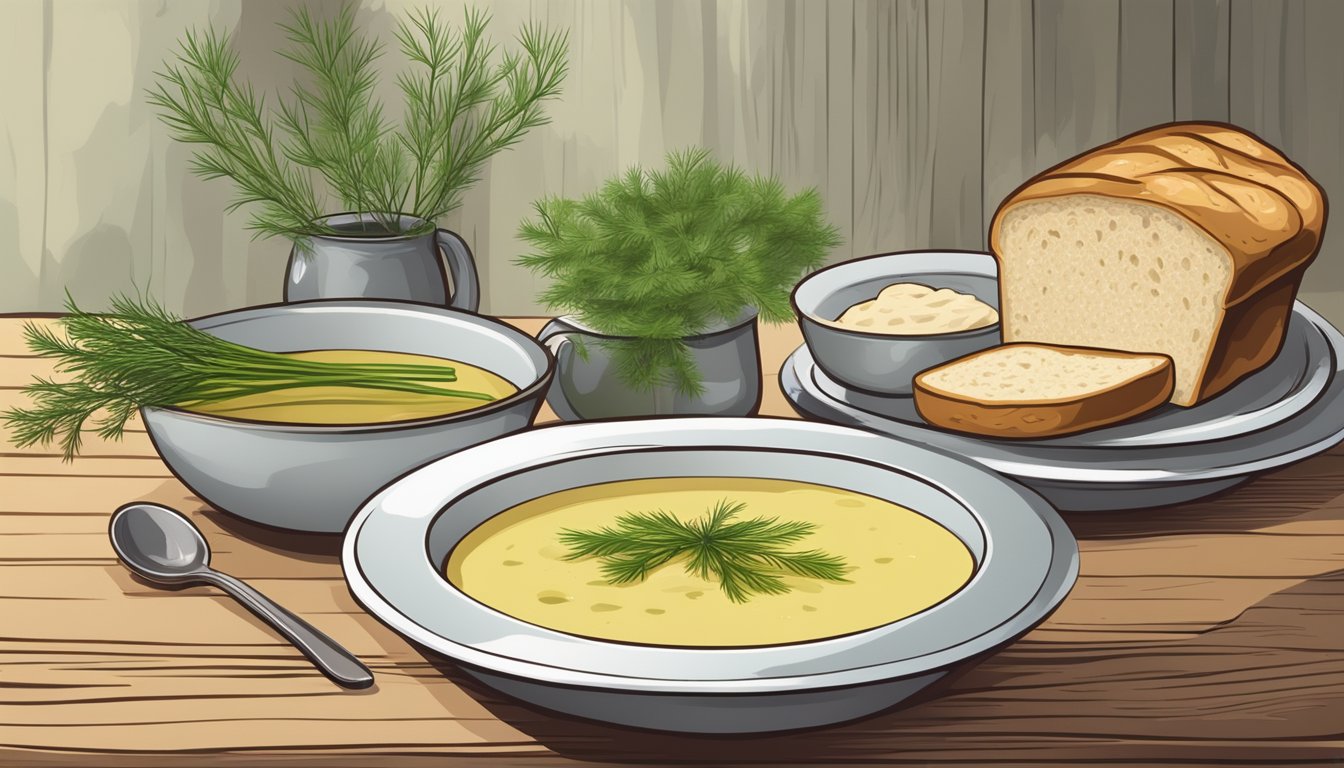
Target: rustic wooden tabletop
x: 1209, y: 633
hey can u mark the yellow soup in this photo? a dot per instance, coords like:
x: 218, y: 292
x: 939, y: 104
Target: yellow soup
x: 356, y: 405
x: 899, y: 563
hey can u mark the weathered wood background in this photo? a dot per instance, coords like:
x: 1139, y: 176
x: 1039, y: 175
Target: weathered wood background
x: 913, y: 118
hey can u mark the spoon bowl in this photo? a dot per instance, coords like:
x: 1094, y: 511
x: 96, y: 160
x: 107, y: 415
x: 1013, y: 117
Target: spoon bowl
x: 158, y: 543
x: 162, y: 546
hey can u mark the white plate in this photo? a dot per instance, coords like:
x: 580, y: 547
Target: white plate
x: 396, y: 546
x: 1291, y: 409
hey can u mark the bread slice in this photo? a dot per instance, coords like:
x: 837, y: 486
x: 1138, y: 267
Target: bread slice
x: 1041, y: 390
x: 1188, y: 239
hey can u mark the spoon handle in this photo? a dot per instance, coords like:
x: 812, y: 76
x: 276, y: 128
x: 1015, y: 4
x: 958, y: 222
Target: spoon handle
x: 334, y: 661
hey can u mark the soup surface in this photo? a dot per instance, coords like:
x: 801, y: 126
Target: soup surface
x: 356, y: 405
x: 899, y: 563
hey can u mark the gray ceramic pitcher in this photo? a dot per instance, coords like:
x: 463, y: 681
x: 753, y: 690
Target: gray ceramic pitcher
x: 397, y: 267
x: 587, y: 386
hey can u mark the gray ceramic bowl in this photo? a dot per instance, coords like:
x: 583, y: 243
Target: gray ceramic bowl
x: 882, y: 363
x: 314, y: 477
x: 1025, y: 563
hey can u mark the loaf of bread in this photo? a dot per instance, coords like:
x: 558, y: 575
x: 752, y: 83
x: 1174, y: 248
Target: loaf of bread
x: 1037, y: 390
x: 1188, y: 240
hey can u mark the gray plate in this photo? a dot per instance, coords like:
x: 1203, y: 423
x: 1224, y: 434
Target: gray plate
x: 1291, y: 409
x: 1026, y: 561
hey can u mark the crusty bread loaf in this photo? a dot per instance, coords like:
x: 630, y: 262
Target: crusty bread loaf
x: 1188, y: 240
x: 1038, y: 390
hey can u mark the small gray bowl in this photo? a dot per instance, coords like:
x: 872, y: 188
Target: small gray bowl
x: 882, y: 363
x: 307, y: 477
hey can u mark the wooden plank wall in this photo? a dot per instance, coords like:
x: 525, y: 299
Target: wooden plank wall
x: 914, y: 118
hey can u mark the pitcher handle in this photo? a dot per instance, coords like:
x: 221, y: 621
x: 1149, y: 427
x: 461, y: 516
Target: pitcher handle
x: 555, y: 336
x: 462, y: 268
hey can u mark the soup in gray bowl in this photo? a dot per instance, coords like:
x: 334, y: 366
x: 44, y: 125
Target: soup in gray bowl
x: 256, y: 464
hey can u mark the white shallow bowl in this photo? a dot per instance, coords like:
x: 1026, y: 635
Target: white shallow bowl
x: 395, y: 548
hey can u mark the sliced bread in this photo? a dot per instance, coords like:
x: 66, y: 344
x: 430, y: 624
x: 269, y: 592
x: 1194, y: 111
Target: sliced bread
x: 1041, y: 390
x: 1189, y: 239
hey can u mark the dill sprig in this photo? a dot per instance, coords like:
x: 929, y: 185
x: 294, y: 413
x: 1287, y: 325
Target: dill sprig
x: 746, y: 556
x: 656, y: 256
x: 460, y: 111
x: 141, y: 355
x: 463, y: 104
x: 334, y: 125
x: 202, y: 104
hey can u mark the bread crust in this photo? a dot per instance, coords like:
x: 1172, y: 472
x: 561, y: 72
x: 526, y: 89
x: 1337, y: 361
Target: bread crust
x: 1248, y: 197
x: 1045, y: 417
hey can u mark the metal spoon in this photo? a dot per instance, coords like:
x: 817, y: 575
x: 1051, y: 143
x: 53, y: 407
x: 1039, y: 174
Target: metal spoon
x: 164, y: 547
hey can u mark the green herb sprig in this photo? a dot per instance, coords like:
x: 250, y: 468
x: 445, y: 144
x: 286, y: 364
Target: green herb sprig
x: 463, y: 104
x: 141, y: 355
x: 746, y: 556
x: 657, y: 256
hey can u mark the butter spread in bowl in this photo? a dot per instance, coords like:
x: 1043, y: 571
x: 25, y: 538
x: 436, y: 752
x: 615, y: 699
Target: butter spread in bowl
x: 911, y: 309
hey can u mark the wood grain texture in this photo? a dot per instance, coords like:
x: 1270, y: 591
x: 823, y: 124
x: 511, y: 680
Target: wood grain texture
x: 1010, y: 94
x: 1206, y: 634
x: 1077, y: 67
x: 1146, y: 72
x: 913, y: 119
x: 1200, y: 59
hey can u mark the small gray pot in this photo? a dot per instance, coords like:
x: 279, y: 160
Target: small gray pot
x: 587, y: 386
x: 396, y: 267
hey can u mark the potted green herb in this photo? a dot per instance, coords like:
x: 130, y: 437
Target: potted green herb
x: 463, y: 104
x: 664, y: 274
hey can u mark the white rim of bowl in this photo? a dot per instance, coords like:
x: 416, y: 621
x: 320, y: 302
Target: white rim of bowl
x: 400, y: 516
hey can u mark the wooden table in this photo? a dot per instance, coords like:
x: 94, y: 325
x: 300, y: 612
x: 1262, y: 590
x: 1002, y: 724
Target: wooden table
x: 1210, y: 633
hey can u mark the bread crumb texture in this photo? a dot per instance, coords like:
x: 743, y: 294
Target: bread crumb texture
x: 912, y: 309
x: 1093, y: 271
x: 1031, y: 373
